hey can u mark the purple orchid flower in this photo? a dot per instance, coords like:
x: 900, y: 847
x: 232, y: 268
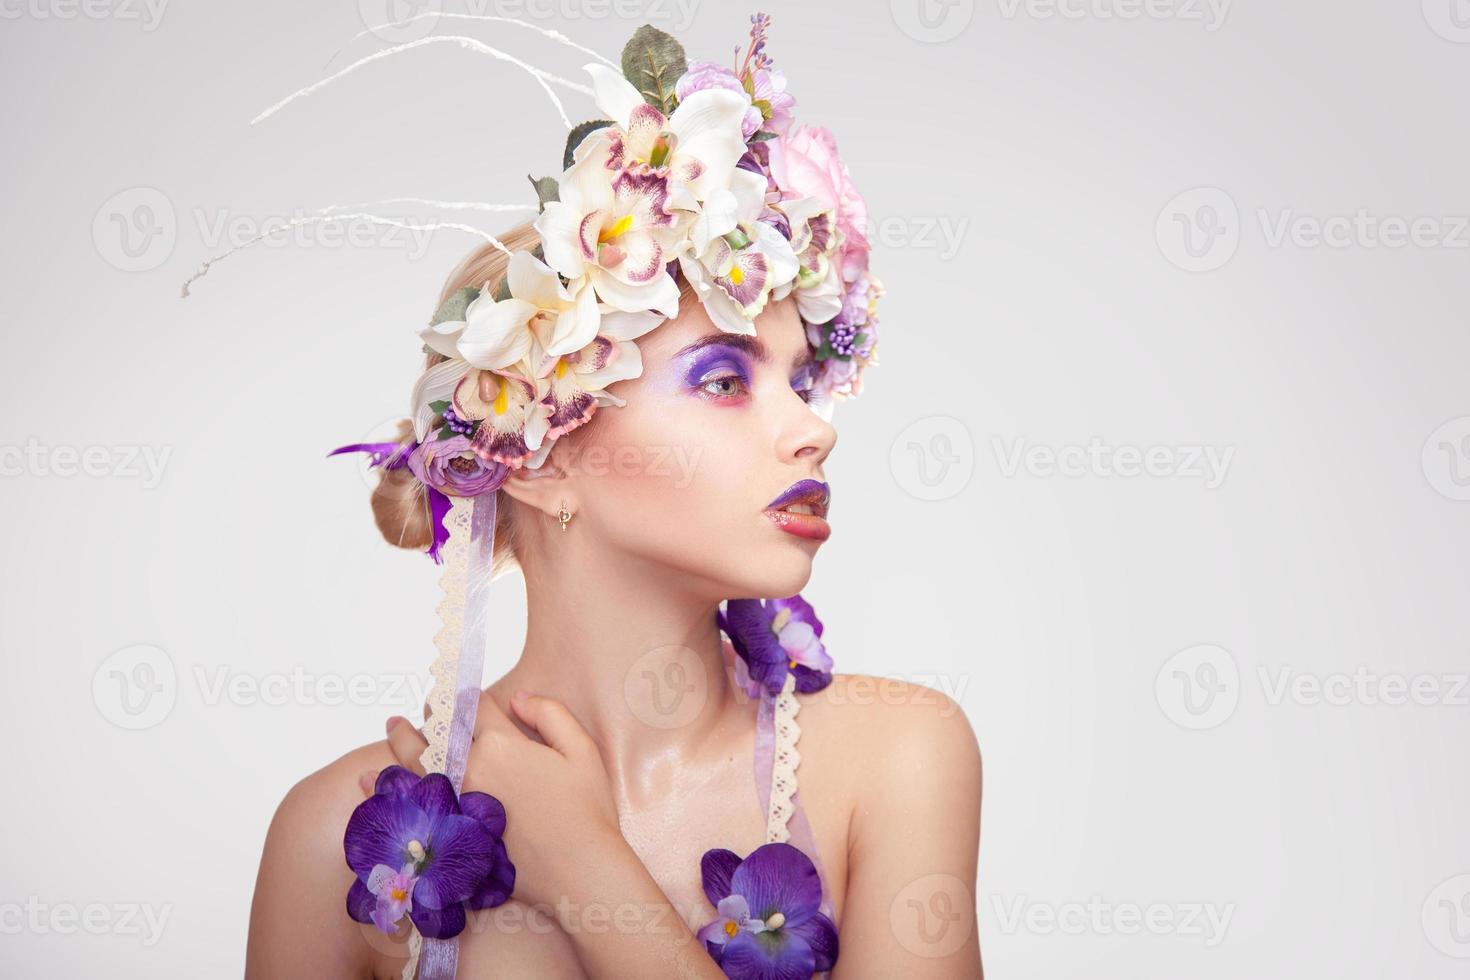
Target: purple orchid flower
x: 768, y: 925
x: 775, y: 637
x: 419, y: 851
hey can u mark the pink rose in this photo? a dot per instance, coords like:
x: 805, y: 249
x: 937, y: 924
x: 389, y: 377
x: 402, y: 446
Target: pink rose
x: 805, y: 161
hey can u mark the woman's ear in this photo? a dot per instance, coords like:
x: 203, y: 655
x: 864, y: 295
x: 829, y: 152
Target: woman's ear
x: 546, y: 488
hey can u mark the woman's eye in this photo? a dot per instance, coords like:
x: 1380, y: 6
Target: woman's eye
x: 725, y: 386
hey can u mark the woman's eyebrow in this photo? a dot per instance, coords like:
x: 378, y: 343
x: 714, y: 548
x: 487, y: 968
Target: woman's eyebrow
x: 752, y: 346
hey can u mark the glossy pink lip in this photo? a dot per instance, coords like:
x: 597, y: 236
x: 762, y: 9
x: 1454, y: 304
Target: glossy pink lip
x: 813, y: 493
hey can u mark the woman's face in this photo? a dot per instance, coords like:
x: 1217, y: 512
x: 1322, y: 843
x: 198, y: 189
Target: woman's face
x: 693, y: 478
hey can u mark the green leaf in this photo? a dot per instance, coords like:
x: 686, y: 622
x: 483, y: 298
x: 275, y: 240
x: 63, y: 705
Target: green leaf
x: 762, y: 135
x: 445, y: 432
x: 653, y: 61
x: 502, y: 291
x: 546, y: 190
x: 577, y: 135
x: 438, y: 407
x: 454, y: 307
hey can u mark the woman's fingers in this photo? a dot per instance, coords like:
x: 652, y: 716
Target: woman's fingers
x: 553, y: 722
x: 491, y: 717
x: 407, y: 744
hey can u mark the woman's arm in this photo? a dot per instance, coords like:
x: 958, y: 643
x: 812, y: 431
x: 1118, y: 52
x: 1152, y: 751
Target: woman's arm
x: 299, y: 926
x: 914, y: 846
x: 571, y: 858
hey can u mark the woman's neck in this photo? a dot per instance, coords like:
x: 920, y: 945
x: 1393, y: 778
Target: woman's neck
x: 638, y: 661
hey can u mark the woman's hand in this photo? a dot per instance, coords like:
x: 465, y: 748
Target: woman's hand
x: 559, y: 808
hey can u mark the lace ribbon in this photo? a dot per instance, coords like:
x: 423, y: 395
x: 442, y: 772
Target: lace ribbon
x: 458, y: 672
x: 776, y: 760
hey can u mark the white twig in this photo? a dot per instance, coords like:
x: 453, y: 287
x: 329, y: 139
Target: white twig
x: 375, y: 219
x: 479, y: 47
x: 556, y: 36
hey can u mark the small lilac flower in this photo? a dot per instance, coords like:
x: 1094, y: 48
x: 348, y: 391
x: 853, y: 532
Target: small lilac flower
x: 448, y: 852
x: 769, y: 96
x: 452, y: 467
x: 775, y: 637
x: 711, y: 74
x: 394, y: 891
x: 768, y: 924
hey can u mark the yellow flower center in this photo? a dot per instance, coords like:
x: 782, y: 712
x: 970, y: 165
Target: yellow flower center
x: 737, y: 274
x: 398, y: 894
x: 731, y: 929
x: 561, y: 367
x: 616, y: 229
x: 501, y: 399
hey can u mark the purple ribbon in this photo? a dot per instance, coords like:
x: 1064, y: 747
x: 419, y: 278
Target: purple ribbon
x: 440, y: 957
x: 394, y: 456
x: 800, y: 828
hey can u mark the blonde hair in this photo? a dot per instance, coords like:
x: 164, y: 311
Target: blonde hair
x: 400, y: 503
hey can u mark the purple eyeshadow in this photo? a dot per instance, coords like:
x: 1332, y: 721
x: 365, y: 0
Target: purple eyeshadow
x: 713, y: 356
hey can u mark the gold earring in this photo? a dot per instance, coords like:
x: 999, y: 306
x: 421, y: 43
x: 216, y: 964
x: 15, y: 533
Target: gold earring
x: 564, y: 515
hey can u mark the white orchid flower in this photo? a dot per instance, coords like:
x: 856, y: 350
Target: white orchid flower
x: 513, y: 420
x: 615, y: 229
x: 699, y: 144
x: 542, y: 317
x: 733, y: 260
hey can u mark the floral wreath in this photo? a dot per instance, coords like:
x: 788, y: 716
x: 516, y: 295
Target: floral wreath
x: 697, y: 167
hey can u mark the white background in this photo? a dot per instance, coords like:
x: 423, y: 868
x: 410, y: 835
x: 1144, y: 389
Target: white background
x: 1024, y: 163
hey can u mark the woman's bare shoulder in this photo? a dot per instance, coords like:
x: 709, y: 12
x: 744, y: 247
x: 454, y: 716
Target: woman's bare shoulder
x: 298, y: 920
x: 904, y: 731
x: 334, y: 790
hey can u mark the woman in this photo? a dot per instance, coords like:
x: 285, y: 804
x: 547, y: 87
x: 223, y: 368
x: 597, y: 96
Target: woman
x: 620, y: 743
